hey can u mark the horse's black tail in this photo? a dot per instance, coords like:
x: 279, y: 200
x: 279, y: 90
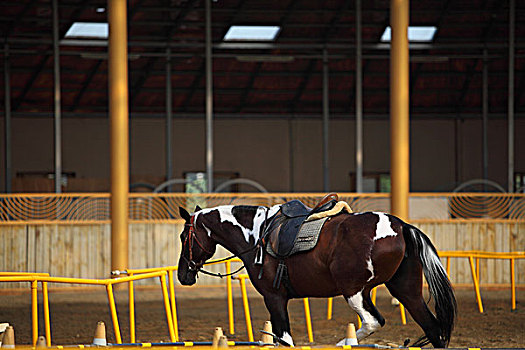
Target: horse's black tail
x: 437, y: 279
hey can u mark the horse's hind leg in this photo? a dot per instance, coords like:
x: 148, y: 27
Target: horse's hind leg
x: 371, y: 319
x: 406, y: 285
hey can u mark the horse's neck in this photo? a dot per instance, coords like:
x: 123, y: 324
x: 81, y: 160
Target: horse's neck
x: 248, y: 226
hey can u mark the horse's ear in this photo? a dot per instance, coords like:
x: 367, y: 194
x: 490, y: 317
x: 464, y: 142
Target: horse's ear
x: 184, y: 214
x: 197, y: 208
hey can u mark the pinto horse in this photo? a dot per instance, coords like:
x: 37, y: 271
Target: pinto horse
x: 354, y: 253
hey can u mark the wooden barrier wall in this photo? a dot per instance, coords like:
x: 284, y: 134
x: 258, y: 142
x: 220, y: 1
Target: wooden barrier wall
x: 83, y: 250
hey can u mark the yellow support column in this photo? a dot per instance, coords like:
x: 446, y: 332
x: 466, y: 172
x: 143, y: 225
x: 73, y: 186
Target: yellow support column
x: 118, y: 112
x: 399, y: 117
x: 399, y: 102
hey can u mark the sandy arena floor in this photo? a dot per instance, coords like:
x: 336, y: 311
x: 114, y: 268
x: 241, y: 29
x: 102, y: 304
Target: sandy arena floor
x: 200, y: 309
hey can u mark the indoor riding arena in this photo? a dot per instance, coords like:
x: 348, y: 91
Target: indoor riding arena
x: 241, y: 173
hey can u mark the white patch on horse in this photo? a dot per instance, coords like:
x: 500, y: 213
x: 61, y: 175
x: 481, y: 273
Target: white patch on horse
x: 207, y: 230
x: 370, y: 323
x: 226, y: 215
x: 384, y: 228
x: 287, y: 338
x: 370, y: 267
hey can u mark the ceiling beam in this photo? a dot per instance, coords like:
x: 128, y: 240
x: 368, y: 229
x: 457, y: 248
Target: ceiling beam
x: 255, y: 72
x: 311, y: 65
x: 36, y: 72
x: 415, y: 73
x: 195, y: 84
x: 472, y: 69
x: 146, y: 70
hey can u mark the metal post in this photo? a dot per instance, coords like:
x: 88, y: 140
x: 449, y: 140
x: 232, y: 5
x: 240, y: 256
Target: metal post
x: 118, y: 111
x: 58, y: 111
x: 485, y: 111
x: 209, y: 100
x: 7, y: 120
x: 326, y: 106
x: 291, y: 151
x: 169, y: 102
x: 399, y: 104
x: 512, y: 17
x: 358, y: 102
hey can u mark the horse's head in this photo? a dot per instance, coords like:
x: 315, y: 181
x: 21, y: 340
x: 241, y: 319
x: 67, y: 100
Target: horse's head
x: 197, y: 247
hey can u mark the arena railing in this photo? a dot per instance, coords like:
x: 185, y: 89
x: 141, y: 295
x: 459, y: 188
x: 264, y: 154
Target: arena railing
x: 162, y: 207
x: 44, y: 278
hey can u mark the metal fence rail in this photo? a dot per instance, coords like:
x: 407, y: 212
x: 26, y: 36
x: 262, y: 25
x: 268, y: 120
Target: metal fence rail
x: 150, y: 208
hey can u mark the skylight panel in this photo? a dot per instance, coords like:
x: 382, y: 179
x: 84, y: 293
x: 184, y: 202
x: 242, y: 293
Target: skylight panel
x: 415, y: 34
x: 88, y: 30
x: 252, y: 33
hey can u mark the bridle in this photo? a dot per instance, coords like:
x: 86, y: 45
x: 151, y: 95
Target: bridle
x: 190, y: 239
x: 197, y: 267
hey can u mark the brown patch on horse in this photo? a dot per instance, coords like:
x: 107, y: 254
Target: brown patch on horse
x: 245, y: 215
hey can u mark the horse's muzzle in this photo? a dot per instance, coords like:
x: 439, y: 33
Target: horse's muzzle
x: 187, y: 278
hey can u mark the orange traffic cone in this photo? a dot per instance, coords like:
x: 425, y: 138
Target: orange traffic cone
x: 41, y: 342
x: 267, y: 338
x: 351, y: 338
x: 223, y: 342
x: 8, y: 341
x: 217, y: 334
x: 100, y: 335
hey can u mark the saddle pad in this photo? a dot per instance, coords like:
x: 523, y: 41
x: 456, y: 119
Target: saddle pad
x: 306, y: 238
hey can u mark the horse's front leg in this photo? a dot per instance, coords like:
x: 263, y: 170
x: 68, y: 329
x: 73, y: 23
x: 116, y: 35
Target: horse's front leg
x: 277, y: 305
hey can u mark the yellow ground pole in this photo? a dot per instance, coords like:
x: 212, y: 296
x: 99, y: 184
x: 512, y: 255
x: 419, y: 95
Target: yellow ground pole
x: 108, y: 283
x: 329, y: 307
x: 34, y: 309
x: 173, y: 304
x: 131, y: 303
x: 242, y: 281
x: 167, y: 307
x: 113, y: 309
x: 172, y: 300
x: 34, y: 301
x: 46, y: 314
x: 512, y: 284
x: 403, y: 314
x: 308, y: 319
x: 118, y: 112
x: 476, y: 284
x: 477, y: 269
x: 230, y: 297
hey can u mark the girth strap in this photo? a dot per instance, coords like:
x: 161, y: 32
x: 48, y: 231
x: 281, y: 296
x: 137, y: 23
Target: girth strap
x: 282, y: 271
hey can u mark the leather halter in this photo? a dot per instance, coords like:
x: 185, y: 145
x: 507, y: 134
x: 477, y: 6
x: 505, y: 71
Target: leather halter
x: 192, y: 237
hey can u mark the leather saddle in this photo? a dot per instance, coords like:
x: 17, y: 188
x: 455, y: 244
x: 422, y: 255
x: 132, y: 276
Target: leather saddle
x: 285, y: 226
